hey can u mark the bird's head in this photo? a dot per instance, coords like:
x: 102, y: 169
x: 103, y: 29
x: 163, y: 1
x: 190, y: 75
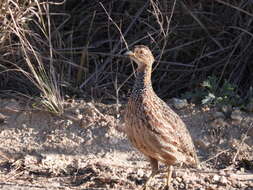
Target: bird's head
x: 141, y: 55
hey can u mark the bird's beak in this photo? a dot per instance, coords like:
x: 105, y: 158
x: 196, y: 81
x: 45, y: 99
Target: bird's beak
x: 129, y: 54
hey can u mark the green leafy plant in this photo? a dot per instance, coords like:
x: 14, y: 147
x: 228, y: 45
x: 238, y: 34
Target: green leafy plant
x: 211, y: 93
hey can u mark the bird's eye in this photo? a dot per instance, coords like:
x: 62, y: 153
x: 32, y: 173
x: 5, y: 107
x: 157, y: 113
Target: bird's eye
x: 140, y: 52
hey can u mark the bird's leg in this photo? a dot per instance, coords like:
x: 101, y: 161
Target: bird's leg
x: 169, y: 175
x: 154, y: 166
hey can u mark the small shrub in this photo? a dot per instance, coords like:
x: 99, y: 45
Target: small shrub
x: 211, y: 93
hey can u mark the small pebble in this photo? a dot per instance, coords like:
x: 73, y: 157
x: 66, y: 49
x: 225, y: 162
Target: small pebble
x: 179, y: 103
x: 69, y: 122
x: 80, y: 116
x: 218, y: 114
x: 77, y: 111
x: 250, y: 132
x: 236, y: 115
x: 249, y: 106
x: 223, y: 180
x: 182, y: 185
x: 205, y: 108
x: 216, y: 178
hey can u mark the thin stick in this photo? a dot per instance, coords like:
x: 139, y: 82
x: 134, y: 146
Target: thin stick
x: 166, y: 33
x: 115, y: 46
x: 110, y: 18
x: 215, y: 156
x: 234, y: 7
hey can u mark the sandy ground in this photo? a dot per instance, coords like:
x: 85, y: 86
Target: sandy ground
x: 86, y: 148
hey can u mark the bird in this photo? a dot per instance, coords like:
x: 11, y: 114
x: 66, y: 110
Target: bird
x: 151, y: 125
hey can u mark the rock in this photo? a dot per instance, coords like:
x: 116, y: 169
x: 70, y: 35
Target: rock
x: 77, y: 111
x: 179, y: 103
x: 249, y: 106
x: 236, y: 115
x: 205, y: 108
x: 233, y: 143
x: 80, y: 116
x: 250, y: 132
x: 223, y: 180
x: 249, y: 141
x: 216, y: 178
x: 181, y: 185
x: 69, y: 122
x: 226, y: 109
x: 218, y: 114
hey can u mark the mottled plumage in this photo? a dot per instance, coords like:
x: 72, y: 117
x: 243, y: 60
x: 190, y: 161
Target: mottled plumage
x: 151, y: 125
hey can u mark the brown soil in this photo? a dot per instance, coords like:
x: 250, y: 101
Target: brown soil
x: 86, y: 148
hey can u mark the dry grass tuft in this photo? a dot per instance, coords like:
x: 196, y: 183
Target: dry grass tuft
x: 28, y: 55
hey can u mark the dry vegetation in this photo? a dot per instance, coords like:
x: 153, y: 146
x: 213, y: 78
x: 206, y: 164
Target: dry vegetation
x: 52, y: 48
x: 27, y: 53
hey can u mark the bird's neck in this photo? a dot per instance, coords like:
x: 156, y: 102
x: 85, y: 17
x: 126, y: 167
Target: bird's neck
x: 143, y: 80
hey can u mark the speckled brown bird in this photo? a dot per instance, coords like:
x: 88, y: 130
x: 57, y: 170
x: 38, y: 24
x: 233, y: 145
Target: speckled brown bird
x: 151, y: 125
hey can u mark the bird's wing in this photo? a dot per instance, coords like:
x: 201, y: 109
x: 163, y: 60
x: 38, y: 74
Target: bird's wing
x: 164, y: 122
